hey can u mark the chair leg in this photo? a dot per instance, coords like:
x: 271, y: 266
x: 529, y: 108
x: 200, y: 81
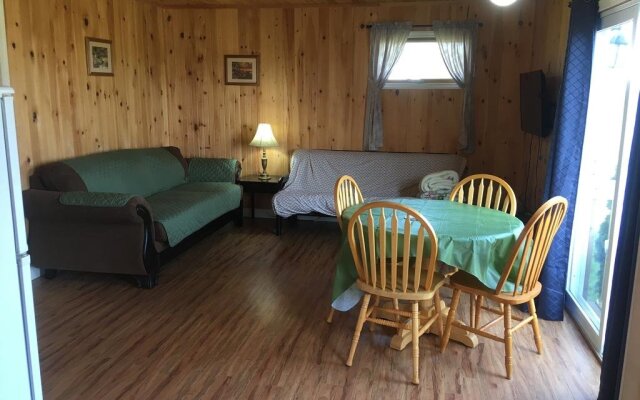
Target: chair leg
x: 536, y: 328
x: 330, y: 317
x: 374, y: 314
x: 356, y: 335
x: 507, y: 339
x: 438, y: 306
x: 479, y: 302
x: 455, y: 299
x: 472, y: 314
x: 415, y: 326
x: 396, y: 306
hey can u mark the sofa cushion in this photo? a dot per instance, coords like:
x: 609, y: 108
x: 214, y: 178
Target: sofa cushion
x: 184, y: 209
x: 379, y: 175
x: 213, y: 169
x: 137, y: 171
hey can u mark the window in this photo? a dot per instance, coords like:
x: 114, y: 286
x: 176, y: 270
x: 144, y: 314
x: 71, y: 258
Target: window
x: 601, y: 186
x: 421, y: 65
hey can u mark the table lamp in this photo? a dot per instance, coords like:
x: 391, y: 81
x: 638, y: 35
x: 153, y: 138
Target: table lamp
x: 264, y: 138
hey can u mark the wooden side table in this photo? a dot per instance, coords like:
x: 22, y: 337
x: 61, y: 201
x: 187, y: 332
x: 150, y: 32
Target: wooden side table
x: 252, y: 184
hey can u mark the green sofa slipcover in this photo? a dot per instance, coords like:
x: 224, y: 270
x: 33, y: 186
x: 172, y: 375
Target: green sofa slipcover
x: 120, y: 211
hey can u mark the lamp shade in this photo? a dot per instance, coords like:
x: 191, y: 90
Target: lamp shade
x: 503, y: 3
x: 264, y: 137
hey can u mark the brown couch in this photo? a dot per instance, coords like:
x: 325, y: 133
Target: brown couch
x: 126, y: 211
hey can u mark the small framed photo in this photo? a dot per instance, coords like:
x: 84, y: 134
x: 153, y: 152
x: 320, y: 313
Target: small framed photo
x: 99, y: 57
x: 241, y: 70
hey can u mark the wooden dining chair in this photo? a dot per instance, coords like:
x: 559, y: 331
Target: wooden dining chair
x: 524, y: 265
x: 380, y: 239
x: 488, y: 191
x: 345, y: 194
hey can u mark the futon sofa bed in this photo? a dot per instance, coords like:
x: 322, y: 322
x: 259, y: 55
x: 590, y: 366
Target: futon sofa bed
x: 120, y: 211
x: 313, y: 175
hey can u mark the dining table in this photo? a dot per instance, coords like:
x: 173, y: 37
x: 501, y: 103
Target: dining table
x: 474, y: 239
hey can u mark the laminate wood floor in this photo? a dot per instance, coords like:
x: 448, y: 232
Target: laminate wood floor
x: 242, y: 315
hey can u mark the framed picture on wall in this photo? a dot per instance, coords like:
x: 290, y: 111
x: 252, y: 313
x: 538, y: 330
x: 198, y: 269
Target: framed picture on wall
x: 241, y: 70
x: 99, y: 57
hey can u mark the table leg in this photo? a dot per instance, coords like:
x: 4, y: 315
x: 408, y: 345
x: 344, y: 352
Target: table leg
x: 253, y: 205
x: 401, y: 340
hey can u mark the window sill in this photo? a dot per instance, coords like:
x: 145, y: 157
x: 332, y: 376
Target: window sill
x: 421, y: 85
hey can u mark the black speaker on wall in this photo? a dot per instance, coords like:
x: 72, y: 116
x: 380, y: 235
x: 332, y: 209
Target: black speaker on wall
x: 537, y: 111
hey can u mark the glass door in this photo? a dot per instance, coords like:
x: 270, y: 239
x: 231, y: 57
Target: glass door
x: 610, y: 122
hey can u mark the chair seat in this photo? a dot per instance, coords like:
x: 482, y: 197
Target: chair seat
x: 470, y: 284
x: 420, y: 295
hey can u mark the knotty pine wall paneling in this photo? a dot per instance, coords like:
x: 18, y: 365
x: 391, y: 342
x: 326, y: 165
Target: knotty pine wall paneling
x: 516, y: 39
x: 169, y: 86
x: 314, y: 63
x: 63, y: 112
x: 209, y: 118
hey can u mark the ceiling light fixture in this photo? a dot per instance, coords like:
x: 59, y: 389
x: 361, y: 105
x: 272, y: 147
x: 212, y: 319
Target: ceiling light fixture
x: 503, y: 3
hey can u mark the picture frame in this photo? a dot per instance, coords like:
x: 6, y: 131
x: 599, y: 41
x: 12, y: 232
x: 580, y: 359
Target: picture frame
x: 99, y: 56
x: 242, y: 70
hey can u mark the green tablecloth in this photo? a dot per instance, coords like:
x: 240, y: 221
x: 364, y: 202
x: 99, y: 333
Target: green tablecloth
x: 475, y: 239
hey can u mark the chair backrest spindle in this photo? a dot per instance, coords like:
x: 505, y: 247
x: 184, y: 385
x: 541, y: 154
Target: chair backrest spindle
x: 485, y: 191
x: 394, y: 251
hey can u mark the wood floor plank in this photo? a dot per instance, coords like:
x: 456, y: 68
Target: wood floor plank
x: 241, y: 315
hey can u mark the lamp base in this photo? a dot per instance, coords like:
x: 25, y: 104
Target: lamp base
x: 263, y: 175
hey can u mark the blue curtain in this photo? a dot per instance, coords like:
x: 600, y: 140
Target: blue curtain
x: 623, y: 278
x: 564, y: 160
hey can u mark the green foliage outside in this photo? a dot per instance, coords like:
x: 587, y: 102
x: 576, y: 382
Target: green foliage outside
x: 595, y: 271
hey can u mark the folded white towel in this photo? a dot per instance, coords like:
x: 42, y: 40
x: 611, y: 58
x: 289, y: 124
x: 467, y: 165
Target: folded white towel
x: 437, y: 185
x: 443, y: 180
x: 437, y: 195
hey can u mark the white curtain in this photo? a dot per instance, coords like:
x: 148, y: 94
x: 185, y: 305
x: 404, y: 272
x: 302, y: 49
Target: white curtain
x: 457, y: 42
x: 386, y: 43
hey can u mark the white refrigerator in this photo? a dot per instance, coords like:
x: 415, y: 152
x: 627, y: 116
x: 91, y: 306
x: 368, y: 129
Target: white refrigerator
x: 19, y: 364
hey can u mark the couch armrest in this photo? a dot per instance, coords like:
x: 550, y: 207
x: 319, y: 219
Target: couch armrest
x: 213, y: 170
x: 110, y: 208
x: 96, y: 232
x: 95, y: 199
